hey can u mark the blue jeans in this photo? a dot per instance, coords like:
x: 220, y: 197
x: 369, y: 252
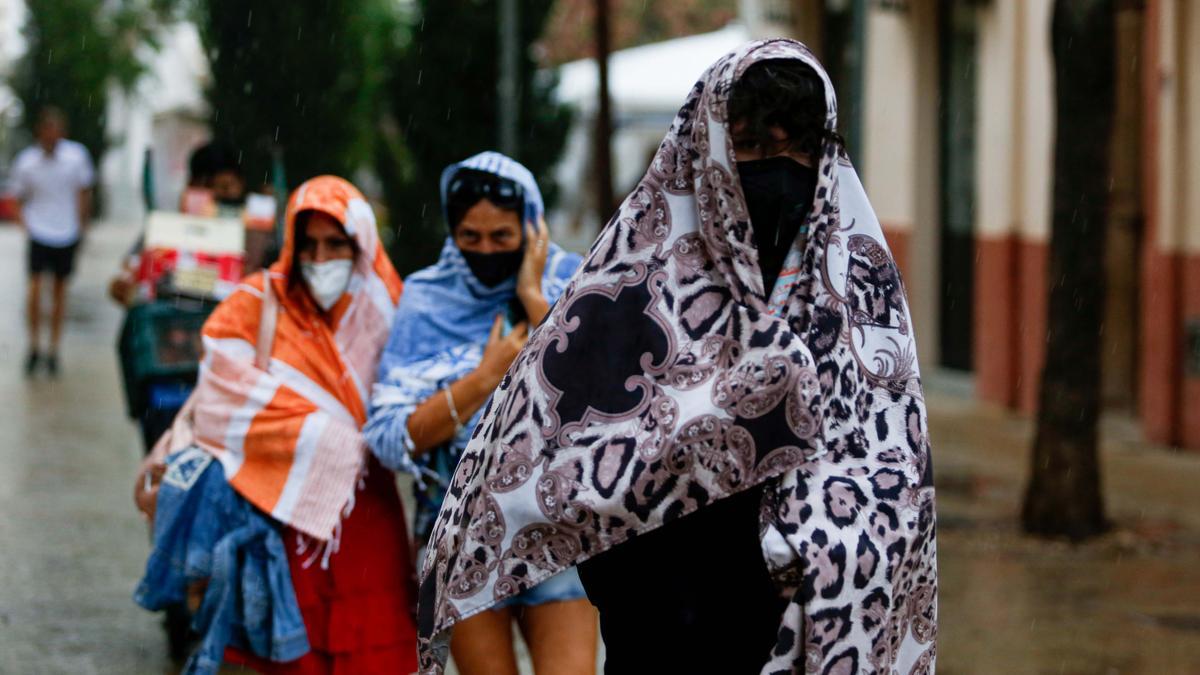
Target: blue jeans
x: 203, y: 530
x: 559, y: 588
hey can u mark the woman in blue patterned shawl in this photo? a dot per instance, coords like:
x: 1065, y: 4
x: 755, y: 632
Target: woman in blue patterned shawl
x: 459, y: 325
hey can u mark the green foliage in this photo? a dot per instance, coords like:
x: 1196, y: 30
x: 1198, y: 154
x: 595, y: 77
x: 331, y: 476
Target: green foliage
x: 77, y: 49
x: 69, y: 64
x: 304, y: 76
x: 442, y: 100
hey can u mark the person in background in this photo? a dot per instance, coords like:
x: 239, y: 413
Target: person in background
x: 216, y: 186
x: 459, y: 326
x: 226, y: 181
x: 289, y: 360
x: 196, y: 198
x: 228, y: 196
x: 52, y: 181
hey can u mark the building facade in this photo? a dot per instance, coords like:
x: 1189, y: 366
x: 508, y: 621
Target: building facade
x: 12, y: 15
x: 166, y: 113
x: 948, y: 111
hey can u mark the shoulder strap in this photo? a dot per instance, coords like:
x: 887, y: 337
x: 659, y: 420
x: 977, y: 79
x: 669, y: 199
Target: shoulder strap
x: 266, y: 324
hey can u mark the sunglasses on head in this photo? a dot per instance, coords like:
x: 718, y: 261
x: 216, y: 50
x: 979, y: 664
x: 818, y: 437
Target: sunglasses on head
x: 470, y: 187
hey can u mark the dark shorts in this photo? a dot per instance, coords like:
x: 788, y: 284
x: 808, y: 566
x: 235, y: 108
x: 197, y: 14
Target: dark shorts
x: 57, y: 260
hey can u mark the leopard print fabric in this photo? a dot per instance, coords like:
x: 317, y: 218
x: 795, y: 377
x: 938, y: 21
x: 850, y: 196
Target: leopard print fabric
x: 666, y: 378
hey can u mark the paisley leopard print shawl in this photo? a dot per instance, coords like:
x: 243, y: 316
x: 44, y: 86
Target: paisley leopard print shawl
x: 665, y: 378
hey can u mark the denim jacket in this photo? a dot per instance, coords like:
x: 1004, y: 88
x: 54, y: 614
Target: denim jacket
x: 203, y: 530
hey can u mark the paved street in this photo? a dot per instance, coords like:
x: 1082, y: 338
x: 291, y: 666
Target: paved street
x: 71, y: 546
x: 1127, y: 602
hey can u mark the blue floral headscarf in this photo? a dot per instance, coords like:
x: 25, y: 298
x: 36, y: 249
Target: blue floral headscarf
x: 441, y: 327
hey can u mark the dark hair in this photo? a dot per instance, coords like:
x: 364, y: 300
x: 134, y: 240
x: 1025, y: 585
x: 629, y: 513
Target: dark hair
x: 468, y: 187
x: 782, y: 93
x: 223, y: 158
x: 51, y: 113
x: 199, y: 172
x: 210, y: 159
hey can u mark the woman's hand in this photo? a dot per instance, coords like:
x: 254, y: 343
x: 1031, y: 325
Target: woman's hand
x: 432, y: 424
x: 145, y: 489
x: 195, y: 594
x: 122, y: 289
x: 500, y: 351
x: 529, y: 278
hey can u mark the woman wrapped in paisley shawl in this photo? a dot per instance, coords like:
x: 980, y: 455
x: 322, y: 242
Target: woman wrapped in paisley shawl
x: 688, y: 370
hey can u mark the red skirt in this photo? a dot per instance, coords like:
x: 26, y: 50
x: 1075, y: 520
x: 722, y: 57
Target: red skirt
x: 358, y: 612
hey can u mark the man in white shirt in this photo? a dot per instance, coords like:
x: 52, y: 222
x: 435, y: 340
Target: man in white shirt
x: 52, y: 181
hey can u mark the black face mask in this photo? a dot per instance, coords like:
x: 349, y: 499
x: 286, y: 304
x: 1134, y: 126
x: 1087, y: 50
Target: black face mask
x: 779, y: 193
x: 491, y: 269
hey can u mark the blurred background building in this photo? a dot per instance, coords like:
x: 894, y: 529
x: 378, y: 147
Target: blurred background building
x: 11, y: 16
x: 949, y: 114
x: 166, y: 112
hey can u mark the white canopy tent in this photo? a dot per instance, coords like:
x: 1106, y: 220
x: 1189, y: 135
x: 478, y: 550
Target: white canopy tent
x: 647, y: 84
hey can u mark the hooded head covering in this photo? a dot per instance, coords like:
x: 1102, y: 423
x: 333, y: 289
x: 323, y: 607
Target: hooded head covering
x: 501, y: 166
x: 288, y: 432
x: 450, y: 305
x: 667, y: 378
x: 441, y: 327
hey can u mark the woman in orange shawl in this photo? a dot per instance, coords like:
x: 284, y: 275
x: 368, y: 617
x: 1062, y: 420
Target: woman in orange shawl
x: 282, y: 408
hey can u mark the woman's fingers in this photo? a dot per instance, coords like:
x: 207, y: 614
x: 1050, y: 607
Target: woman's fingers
x: 497, y: 327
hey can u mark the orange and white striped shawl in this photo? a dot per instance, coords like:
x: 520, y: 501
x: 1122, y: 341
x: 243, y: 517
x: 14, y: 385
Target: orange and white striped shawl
x: 290, y: 437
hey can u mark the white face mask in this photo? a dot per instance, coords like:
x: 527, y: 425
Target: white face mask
x: 327, y: 281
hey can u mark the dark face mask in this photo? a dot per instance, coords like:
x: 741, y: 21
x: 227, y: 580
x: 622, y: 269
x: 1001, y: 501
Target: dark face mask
x: 779, y: 193
x: 491, y: 269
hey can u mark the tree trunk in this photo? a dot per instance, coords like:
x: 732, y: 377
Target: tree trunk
x: 605, y: 201
x: 509, y: 100
x: 1064, y: 494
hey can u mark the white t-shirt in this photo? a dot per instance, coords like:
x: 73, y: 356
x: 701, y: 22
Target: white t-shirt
x: 48, y: 187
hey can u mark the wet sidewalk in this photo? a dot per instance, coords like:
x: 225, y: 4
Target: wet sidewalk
x: 71, y: 546
x: 1128, y: 602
